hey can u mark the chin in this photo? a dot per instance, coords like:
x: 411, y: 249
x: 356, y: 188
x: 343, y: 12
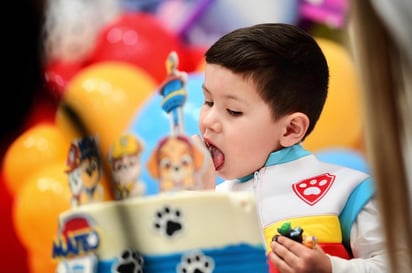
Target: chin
x: 227, y: 176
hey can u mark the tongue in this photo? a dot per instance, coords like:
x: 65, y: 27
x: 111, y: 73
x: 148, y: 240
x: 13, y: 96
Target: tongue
x: 218, y: 158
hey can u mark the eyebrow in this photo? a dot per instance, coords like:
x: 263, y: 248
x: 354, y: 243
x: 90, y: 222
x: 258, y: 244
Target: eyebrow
x: 231, y: 97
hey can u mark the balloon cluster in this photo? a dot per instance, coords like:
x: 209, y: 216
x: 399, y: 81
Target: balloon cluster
x: 103, y: 98
x: 112, y: 87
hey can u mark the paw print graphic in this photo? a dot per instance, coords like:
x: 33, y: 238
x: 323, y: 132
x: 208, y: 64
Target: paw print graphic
x: 168, y: 220
x: 313, y: 189
x: 130, y: 261
x: 195, y: 262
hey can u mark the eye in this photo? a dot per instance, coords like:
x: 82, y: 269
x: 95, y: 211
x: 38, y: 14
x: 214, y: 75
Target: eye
x: 186, y: 160
x: 208, y: 103
x: 234, y: 113
x: 132, y: 161
x: 93, y: 164
x: 117, y: 166
x: 165, y: 164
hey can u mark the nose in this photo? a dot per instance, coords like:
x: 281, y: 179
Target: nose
x: 210, y: 120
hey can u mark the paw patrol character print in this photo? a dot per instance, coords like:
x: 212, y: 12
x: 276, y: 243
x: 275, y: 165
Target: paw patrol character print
x: 130, y: 261
x: 174, y: 93
x: 124, y: 157
x: 295, y: 234
x: 84, y: 172
x: 195, y: 262
x: 74, y: 175
x: 176, y: 163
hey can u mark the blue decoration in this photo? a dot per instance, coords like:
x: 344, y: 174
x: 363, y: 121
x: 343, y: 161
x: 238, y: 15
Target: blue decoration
x: 174, y: 93
x: 152, y: 123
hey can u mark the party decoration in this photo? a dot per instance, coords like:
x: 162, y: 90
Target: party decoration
x: 43, y: 110
x: 12, y: 259
x: 71, y: 27
x: 180, y: 15
x: 41, y: 263
x: 101, y: 101
x: 177, y: 161
x: 332, y: 13
x: 152, y: 124
x: 43, y: 196
x: 126, y: 167
x: 340, y: 124
x: 38, y: 146
x: 139, y: 39
x: 84, y: 171
x: 57, y: 75
x: 202, y: 22
x: 174, y: 93
x: 196, y: 56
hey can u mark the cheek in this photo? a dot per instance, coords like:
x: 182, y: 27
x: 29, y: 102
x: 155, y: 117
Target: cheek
x: 201, y: 118
x: 256, y: 143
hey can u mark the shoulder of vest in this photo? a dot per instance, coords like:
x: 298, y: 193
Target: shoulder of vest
x: 359, y: 197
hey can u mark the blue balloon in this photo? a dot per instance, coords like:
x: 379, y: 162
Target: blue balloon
x: 344, y: 157
x: 151, y: 123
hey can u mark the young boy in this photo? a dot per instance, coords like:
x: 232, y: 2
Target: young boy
x: 264, y: 88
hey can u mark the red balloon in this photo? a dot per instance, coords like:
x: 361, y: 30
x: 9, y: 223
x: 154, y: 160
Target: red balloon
x: 14, y: 256
x: 194, y: 57
x: 57, y: 74
x: 140, y: 39
x: 43, y: 110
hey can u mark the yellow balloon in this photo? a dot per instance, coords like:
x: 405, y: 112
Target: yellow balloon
x: 37, y: 147
x: 104, y: 97
x: 340, y: 124
x: 43, y: 196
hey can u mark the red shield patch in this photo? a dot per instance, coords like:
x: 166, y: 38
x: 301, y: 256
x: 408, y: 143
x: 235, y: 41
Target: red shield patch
x: 313, y: 189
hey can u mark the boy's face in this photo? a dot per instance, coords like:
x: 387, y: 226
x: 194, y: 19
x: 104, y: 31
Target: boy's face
x: 236, y: 123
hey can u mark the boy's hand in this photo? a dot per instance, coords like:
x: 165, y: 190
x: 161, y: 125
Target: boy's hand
x: 292, y: 257
x: 208, y: 175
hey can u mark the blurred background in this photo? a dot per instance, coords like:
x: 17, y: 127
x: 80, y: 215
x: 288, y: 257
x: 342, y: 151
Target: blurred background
x: 93, y: 67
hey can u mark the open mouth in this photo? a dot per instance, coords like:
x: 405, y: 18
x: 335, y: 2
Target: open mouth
x: 217, y: 155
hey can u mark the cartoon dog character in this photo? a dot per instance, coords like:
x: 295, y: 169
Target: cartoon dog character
x: 74, y: 175
x: 124, y: 157
x: 175, y: 163
x: 84, y: 171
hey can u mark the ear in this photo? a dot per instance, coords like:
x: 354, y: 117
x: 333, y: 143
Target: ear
x: 295, y: 128
x: 198, y: 156
x: 153, y: 165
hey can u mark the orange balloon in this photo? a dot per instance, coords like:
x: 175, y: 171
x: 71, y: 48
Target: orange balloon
x: 340, y: 124
x: 39, y: 146
x: 43, y: 196
x: 104, y: 98
x: 41, y: 263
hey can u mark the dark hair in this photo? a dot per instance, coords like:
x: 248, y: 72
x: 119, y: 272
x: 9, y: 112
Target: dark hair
x: 286, y: 64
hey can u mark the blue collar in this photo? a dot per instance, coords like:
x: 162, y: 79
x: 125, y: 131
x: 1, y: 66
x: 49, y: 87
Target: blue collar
x: 281, y: 156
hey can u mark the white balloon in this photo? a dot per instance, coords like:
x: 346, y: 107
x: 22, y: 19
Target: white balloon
x: 223, y: 16
x: 71, y: 26
x: 202, y: 22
